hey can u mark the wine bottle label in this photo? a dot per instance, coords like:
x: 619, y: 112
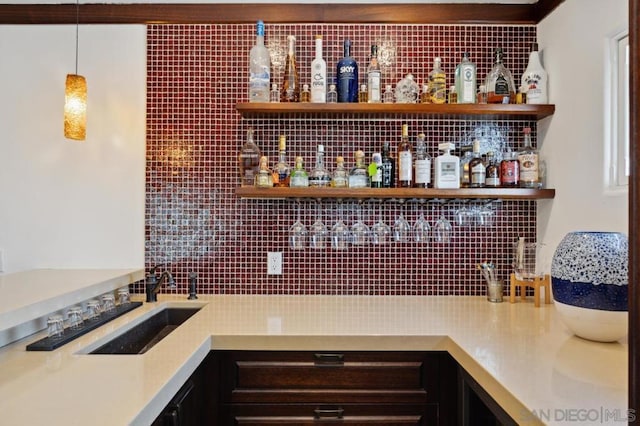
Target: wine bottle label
x: 375, y: 91
x: 528, y: 167
x: 509, y: 172
x: 388, y: 174
x: 404, y: 164
x: 423, y: 171
x: 448, y: 171
x: 501, y: 86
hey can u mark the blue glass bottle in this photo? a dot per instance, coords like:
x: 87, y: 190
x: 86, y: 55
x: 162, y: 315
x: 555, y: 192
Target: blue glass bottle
x: 347, y: 76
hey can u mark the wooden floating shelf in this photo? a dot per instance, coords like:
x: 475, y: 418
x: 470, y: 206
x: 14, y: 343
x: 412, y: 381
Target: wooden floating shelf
x: 396, y: 193
x: 455, y: 111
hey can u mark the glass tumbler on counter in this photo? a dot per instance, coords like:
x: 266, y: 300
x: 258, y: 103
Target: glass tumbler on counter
x: 528, y: 262
x: 55, y: 326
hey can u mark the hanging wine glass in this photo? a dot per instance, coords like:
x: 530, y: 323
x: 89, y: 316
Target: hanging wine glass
x: 442, y: 228
x: 298, y: 233
x: 401, y: 228
x: 359, y: 230
x: 421, y: 228
x: 380, y: 231
x: 318, y: 232
x: 340, y: 233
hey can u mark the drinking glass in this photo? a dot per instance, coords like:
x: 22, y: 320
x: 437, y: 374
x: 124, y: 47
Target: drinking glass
x: 75, y: 317
x: 318, y: 231
x: 55, y: 326
x: 380, y: 231
x: 359, y: 230
x: 94, y: 309
x: 108, y: 303
x: 340, y: 233
x: 401, y: 229
x: 442, y: 229
x: 421, y: 229
x: 124, y: 298
x: 464, y: 216
x: 298, y: 233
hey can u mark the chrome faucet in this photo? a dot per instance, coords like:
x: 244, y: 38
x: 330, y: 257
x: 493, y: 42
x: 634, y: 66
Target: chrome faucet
x: 153, y: 283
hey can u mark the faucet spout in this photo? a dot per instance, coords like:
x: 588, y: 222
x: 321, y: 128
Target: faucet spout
x: 153, y: 283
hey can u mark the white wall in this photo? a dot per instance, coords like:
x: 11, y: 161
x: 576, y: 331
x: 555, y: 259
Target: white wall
x: 63, y: 203
x: 573, y: 43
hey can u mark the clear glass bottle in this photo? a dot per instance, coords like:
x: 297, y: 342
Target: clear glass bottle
x: 422, y: 164
x: 320, y: 175
x: 453, y: 95
x: 299, y: 177
x: 477, y: 167
x: 375, y: 170
x: 358, y: 175
x: 529, y: 163
x: 407, y: 90
x: 388, y: 167
x: 425, y: 97
x: 263, y: 178
x: 274, y: 95
x: 305, y: 95
x: 259, y: 68
x: 347, y: 76
x: 332, y: 95
x: 340, y: 177
x: 318, y: 75
x: 291, y: 84
x: 534, y: 79
x: 492, y: 175
x: 437, y: 83
x: 363, y: 94
x: 387, y: 97
x: 405, y: 159
x: 482, y: 94
x: 282, y: 171
x: 465, y: 80
x: 249, y: 160
x: 499, y: 82
x: 374, y: 77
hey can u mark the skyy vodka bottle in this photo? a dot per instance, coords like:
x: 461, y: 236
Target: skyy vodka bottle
x: 347, y: 76
x: 259, y: 68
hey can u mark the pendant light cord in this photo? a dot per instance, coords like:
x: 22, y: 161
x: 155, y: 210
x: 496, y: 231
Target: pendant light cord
x: 77, y: 25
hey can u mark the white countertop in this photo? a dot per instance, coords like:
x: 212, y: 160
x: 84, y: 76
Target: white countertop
x: 522, y: 355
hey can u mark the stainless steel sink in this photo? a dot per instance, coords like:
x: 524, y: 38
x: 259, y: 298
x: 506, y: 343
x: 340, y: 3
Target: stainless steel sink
x: 148, y: 333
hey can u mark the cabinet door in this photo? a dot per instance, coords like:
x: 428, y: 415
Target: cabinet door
x: 310, y: 414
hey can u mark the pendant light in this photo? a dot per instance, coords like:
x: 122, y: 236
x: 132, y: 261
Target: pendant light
x: 75, y: 98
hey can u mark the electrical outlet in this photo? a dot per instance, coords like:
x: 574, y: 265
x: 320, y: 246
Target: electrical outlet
x: 274, y: 263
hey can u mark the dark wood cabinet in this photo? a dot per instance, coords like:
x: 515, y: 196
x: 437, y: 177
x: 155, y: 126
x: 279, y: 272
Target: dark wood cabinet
x: 390, y: 388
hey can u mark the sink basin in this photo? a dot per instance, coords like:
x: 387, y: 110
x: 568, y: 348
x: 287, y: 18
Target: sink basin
x: 148, y: 333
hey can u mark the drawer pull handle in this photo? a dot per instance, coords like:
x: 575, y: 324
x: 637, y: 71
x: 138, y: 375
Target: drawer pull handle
x: 329, y: 359
x: 326, y: 413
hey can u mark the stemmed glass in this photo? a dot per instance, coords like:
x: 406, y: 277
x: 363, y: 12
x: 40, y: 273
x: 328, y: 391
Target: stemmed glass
x: 421, y: 229
x: 401, y: 229
x: 442, y: 229
x: 298, y: 233
x: 380, y: 231
x: 340, y: 233
x: 359, y: 230
x: 318, y: 232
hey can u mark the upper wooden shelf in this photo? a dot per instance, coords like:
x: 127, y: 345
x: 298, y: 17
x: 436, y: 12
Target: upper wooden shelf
x: 455, y: 111
x: 396, y: 193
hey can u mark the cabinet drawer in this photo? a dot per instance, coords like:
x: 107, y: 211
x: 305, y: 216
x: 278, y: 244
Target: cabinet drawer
x: 313, y: 414
x: 321, y: 377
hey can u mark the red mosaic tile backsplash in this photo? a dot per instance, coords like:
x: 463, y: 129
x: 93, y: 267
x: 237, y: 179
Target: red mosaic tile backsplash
x: 195, y: 222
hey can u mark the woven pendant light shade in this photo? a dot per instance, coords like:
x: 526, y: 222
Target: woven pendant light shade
x: 75, y: 107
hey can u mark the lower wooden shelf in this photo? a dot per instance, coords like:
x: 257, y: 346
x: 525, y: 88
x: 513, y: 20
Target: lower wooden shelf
x: 395, y: 193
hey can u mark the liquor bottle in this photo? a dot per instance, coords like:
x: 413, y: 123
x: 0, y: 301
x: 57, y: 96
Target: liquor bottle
x: 482, y: 94
x: 535, y: 78
x: 374, y: 77
x: 249, y: 160
x: 347, y: 76
x: 332, y: 95
x: 339, y: 178
x: 363, y: 94
x: 499, y: 82
x: 320, y: 175
x: 447, y: 168
x: 375, y: 170
x: 509, y: 170
x: 291, y: 85
x: 299, y: 177
x: 263, y: 178
x: 318, y: 75
x: 274, y: 96
x: 477, y: 167
x: 465, y: 174
x: 492, y: 174
x: 437, y: 83
x: 305, y: 95
x: 528, y: 159
x: 405, y: 159
x: 387, y: 97
x: 259, y: 68
x: 465, y: 80
x: 388, y: 167
x: 358, y: 176
x: 453, y: 95
x: 281, y: 170
x: 422, y: 164
x: 425, y: 96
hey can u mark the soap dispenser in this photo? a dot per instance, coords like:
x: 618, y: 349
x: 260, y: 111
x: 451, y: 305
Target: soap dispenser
x: 447, y: 168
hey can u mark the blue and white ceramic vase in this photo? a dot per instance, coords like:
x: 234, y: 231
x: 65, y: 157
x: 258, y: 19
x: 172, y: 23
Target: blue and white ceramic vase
x: 589, y: 279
